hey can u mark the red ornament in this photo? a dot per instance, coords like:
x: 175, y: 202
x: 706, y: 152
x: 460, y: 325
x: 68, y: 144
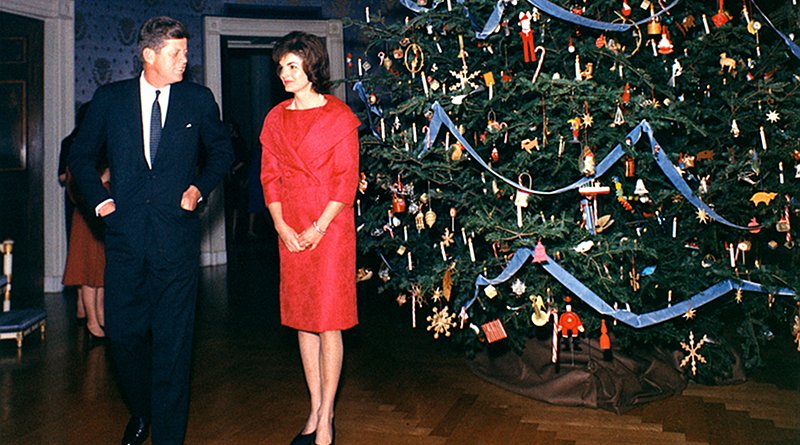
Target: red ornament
x: 626, y: 8
x: 528, y: 47
x: 569, y: 322
x: 495, y: 154
x: 630, y: 167
x: 494, y: 331
x: 756, y: 226
x: 605, y: 342
x: 626, y: 93
x: 539, y: 254
x: 665, y: 44
x: 722, y: 17
x: 601, y: 41
x: 398, y: 204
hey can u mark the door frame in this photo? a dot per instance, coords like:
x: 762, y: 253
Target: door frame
x: 214, y: 28
x: 59, y: 118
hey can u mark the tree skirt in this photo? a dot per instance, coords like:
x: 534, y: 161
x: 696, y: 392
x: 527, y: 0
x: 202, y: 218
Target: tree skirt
x: 584, y: 377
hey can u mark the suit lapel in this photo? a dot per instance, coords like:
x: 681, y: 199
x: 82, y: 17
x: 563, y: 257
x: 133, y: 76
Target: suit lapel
x: 173, y: 122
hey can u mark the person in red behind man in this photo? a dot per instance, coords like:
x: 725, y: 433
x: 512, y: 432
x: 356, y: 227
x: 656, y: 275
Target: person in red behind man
x: 309, y: 170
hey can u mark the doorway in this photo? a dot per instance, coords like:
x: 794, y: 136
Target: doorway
x: 249, y: 90
x: 22, y: 151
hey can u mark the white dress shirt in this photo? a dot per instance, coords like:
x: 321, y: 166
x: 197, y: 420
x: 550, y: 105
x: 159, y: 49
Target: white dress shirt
x: 147, y: 94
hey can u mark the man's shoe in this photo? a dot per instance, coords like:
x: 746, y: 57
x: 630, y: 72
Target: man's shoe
x: 136, y: 432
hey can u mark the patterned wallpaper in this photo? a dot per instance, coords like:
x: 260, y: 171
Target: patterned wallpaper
x: 106, y: 32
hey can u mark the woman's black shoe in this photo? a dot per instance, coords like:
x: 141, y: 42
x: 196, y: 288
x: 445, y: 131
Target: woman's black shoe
x: 304, y: 439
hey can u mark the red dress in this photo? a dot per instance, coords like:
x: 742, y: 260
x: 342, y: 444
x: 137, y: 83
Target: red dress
x: 310, y: 157
x: 86, y: 258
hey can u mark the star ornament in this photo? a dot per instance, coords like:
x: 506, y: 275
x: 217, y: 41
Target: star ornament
x: 588, y: 120
x: 773, y: 116
x: 518, y: 287
x: 689, y: 314
x: 702, y: 216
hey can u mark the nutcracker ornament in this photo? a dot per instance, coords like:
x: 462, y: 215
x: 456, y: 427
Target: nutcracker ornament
x: 526, y: 34
x: 570, y: 326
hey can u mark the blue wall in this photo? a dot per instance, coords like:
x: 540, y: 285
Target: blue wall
x: 106, y: 31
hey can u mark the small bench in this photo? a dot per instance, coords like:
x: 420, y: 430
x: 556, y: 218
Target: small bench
x: 19, y: 323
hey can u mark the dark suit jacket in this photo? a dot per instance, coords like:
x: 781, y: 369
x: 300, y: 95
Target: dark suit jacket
x: 148, y: 213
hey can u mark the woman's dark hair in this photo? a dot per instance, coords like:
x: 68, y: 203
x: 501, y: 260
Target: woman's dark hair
x: 156, y: 30
x: 312, y: 51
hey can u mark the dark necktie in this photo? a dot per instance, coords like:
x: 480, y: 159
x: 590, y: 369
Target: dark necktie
x: 155, y: 128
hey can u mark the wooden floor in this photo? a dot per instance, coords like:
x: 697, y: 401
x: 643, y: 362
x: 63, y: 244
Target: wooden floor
x: 399, y: 386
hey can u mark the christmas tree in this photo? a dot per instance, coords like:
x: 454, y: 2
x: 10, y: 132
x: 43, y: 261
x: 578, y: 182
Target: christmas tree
x: 589, y: 166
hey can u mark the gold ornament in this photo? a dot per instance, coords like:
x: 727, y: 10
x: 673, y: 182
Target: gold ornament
x: 414, y: 58
x: 441, y: 322
x: 430, y: 218
x: 694, y: 356
x: 702, y: 216
x: 540, y: 315
x: 419, y: 220
x: 437, y: 295
x: 447, y: 238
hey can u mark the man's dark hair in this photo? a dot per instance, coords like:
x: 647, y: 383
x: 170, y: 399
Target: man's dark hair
x: 156, y: 30
x: 312, y: 51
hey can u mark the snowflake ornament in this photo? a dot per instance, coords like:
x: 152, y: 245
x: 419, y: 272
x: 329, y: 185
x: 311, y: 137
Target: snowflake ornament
x: 448, y: 237
x: 437, y: 295
x: 694, y: 356
x: 689, y: 314
x: 773, y: 116
x: 518, y: 287
x: 441, y: 322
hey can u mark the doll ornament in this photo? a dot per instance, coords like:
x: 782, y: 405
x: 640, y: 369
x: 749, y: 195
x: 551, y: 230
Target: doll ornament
x: 526, y: 34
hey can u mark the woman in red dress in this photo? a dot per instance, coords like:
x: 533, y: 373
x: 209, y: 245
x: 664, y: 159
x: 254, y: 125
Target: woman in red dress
x: 309, y: 170
x: 86, y: 260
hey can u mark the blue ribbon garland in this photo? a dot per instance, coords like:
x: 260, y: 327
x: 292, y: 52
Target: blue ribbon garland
x: 675, y: 178
x: 586, y: 295
x: 550, y: 8
x: 440, y: 118
x: 373, y: 109
x: 493, y: 21
x: 560, y: 13
x: 792, y: 46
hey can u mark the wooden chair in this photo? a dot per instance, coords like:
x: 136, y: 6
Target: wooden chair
x: 16, y: 324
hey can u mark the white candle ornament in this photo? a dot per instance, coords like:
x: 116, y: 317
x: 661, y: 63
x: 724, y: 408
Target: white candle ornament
x: 471, y: 250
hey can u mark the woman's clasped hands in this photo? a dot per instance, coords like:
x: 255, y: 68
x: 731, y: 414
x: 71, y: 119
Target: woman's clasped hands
x: 298, y: 242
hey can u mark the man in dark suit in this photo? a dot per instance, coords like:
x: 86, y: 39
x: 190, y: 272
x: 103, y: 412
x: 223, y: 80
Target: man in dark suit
x: 155, y: 129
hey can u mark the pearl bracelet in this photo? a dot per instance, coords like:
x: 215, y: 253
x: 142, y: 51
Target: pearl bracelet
x: 316, y: 227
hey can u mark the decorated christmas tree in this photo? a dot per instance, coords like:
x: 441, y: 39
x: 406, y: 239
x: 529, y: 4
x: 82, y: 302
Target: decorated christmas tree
x: 567, y: 171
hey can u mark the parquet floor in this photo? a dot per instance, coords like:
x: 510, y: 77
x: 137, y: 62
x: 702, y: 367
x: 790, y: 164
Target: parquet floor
x: 399, y: 386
